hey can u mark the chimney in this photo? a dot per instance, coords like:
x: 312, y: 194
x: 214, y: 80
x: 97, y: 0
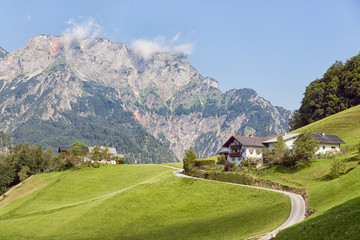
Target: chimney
x: 322, y: 133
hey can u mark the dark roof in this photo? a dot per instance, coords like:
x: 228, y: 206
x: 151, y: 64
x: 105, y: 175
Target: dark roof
x: 67, y: 148
x: 248, y: 141
x: 328, y: 138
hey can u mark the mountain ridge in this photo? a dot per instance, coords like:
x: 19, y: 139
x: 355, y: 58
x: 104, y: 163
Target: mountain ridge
x: 164, y: 93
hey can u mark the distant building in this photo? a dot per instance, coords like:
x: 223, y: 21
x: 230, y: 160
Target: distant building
x: 112, y: 151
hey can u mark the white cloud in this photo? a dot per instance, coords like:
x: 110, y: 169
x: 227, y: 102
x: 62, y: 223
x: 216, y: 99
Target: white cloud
x: 28, y: 18
x: 85, y: 28
x: 146, y: 47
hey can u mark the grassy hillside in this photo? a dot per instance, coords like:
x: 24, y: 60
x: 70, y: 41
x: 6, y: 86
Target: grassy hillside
x: 139, y: 202
x: 345, y: 124
x: 337, y: 201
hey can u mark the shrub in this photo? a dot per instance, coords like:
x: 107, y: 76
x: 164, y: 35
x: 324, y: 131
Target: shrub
x: 244, y: 163
x: 337, y: 168
x: 202, y: 162
x: 221, y: 160
x: 96, y: 165
x: 188, y: 160
x: 228, y: 166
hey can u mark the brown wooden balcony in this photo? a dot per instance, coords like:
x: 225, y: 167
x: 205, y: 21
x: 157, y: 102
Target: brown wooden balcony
x: 235, y: 147
x: 235, y: 154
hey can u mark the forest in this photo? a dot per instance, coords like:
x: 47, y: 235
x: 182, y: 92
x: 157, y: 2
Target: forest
x: 336, y: 91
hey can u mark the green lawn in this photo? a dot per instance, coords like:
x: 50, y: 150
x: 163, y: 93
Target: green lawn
x: 140, y: 202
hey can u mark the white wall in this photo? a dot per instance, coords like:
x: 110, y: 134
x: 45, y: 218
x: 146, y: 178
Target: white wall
x: 323, y: 148
x: 254, y: 154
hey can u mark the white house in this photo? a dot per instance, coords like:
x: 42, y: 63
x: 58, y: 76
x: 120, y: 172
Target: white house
x: 289, y: 140
x: 327, y: 143
x: 238, y: 148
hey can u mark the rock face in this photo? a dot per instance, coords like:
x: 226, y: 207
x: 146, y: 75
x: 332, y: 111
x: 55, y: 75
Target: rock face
x: 51, y: 85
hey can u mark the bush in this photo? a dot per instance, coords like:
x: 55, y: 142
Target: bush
x: 221, y: 160
x: 188, y: 160
x: 202, y: 162
x: 244, y: 163
x: 228, y: 166
x: 96, y: 165
x: 337, y: 168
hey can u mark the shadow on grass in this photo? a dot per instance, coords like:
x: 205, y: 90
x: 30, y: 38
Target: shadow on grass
x: 284, y: 169
x: 327, y: 177
x: 339, y: 222
x: 225, y: 227
x: 351, y: 159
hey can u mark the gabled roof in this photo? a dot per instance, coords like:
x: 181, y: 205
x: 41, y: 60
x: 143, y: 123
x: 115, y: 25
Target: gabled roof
x: 326, y: 138
x: 248, y: 141
x: 285, y: 137
x: 112, y: 150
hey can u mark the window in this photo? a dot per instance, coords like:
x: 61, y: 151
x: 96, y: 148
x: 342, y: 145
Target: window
x: 333, y: 147
x: 323, y: 147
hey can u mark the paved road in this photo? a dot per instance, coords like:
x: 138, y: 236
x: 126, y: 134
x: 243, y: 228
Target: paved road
x: 297, y: 212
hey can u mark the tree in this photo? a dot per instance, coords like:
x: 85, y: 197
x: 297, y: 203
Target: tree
x: 79, y: 144
x: 188, y: 160
x: 48, y: 158
x: 337, y: 168
x: 304, y: 148
x: 280, y: 151
x: 337, y: 90
x: 221, y: 159
x: 76, y: 155
x: 24, y: 173
x: 7, y: 173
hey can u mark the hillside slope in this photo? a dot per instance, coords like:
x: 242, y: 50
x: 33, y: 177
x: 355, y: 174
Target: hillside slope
x: 345, y: 124
x: 336, y: 201
x: 140, y: 202
x: 98, y: 91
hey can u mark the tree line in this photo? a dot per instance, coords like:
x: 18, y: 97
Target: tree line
x: 336, y: 91
x: 24, y: 160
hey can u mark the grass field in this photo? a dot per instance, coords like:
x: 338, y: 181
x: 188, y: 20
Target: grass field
x: 139, y: 202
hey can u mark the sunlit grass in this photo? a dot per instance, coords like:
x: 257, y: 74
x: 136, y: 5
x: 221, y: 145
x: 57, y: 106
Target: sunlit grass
x: 140, y: 202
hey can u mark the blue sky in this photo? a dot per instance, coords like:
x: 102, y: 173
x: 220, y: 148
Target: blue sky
x: 275, y: 47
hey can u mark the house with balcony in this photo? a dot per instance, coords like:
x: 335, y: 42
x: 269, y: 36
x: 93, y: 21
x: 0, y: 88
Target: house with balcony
x: 240, y: 148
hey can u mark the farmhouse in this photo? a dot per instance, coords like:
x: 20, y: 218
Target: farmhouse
x: 327, y: 143
x: 238, y: 148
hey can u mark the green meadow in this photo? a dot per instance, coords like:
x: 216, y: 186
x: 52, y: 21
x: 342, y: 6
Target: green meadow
x: 137, y: 202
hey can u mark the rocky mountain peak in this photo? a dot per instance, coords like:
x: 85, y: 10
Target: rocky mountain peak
x: 66, y: 82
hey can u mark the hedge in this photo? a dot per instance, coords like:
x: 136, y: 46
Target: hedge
x: 247, y: 179
x: 202, y: 162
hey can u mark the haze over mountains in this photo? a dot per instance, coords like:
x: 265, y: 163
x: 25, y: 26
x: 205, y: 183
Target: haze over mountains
x: 151, y: 107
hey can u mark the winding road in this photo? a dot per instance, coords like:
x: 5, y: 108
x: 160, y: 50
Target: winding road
x: 297, y: 212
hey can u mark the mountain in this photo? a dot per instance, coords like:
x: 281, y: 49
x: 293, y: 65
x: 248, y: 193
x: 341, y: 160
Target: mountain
x: 5, y: 143
x: 3, y: 53
x: 55, y: 90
